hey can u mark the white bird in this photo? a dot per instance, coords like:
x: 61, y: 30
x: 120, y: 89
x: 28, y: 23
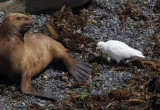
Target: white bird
x: 118, y: 50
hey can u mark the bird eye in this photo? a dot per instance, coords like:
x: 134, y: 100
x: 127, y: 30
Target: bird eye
x: 19, y: 18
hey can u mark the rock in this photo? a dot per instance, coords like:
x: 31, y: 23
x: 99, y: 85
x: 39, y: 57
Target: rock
x: 5, y: 3
x: 39, y: 6
x: 47, y: 5
x: 13, y: 6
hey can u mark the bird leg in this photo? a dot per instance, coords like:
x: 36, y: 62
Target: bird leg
x: 117, y: 63
x: 120, y: 63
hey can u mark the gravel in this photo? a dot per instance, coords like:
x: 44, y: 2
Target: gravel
x: 105, y: 29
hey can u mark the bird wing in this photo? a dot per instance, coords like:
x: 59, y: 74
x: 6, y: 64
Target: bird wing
x: 118, y: 51
x: 121, y: 50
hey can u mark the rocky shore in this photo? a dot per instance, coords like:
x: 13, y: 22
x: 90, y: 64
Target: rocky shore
x: 108, y: 19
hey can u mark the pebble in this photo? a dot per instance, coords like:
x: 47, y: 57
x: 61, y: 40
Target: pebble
x: 107, y: 28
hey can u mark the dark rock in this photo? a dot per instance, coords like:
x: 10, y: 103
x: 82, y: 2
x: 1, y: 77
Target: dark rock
x: 48, y: 5
x: 5, y: 3
x: 40, y: 6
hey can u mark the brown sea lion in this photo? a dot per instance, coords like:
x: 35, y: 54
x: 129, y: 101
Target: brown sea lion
x: 24, y: 55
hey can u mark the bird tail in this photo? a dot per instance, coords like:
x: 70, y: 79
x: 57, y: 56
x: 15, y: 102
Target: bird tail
x: 138, y: 53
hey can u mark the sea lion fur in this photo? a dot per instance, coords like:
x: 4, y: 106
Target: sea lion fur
x: 24, y: 55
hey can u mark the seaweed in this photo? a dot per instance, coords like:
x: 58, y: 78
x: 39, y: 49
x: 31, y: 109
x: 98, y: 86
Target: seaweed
x: 140, y: 92
x: 119, y: 94
x: 157, y: 6
x: 156, y: 38
x: 130, y: 9
x: 35, y: 106
x: 90, y: 102
x: 68, y: 27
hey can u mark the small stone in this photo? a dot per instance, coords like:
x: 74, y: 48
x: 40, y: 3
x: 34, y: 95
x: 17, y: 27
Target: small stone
x: 45, y: 77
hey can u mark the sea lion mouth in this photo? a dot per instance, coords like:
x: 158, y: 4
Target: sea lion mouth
x: 26, y: 26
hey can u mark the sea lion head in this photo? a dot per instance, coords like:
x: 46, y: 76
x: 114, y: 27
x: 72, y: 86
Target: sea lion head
x: 17, y: 22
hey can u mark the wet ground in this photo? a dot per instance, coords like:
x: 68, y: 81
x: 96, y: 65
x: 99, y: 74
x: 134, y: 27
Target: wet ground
x: 134, y: 22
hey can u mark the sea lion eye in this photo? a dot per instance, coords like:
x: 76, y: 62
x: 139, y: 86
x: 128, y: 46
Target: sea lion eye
x: 19, y: 18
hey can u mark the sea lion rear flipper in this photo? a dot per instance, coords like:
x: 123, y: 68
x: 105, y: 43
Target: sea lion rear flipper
x: 82, y: 71
x: 79, y: 70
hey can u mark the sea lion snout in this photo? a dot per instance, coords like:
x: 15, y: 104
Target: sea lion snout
x: 26, y: 26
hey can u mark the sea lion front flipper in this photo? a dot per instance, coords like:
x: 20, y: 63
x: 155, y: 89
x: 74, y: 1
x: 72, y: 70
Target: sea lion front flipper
x: 79, y: 70
x: 26, y: 89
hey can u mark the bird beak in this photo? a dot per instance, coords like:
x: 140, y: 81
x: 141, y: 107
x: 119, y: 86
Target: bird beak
x: 97, y: 48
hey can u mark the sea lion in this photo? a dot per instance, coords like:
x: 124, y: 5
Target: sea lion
x: 24, y: 55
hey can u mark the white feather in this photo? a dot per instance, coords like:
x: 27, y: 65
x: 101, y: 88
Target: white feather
x: 118, y: 50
